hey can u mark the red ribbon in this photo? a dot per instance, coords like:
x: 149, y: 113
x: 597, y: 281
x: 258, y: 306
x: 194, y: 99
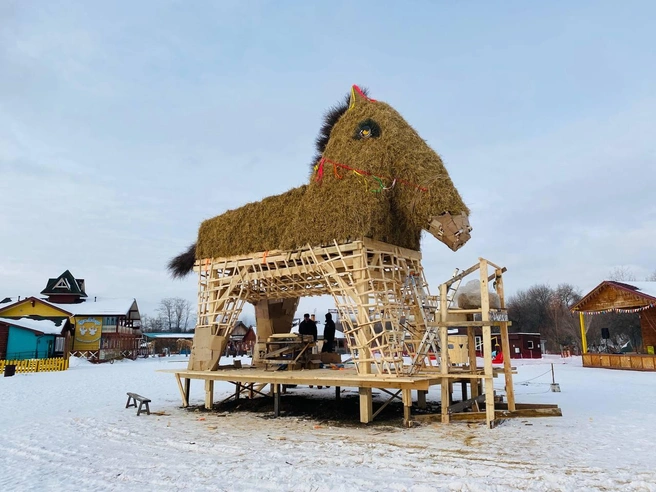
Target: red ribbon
x: 323, y: 160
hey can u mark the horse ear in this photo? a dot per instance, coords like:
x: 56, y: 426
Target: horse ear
x: 357, y: 97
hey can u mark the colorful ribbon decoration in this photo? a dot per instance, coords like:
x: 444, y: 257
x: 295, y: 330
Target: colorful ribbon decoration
x: 319, y: 167
x: 620, y: 310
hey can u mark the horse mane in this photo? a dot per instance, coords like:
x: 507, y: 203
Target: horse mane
x: 330, y: 118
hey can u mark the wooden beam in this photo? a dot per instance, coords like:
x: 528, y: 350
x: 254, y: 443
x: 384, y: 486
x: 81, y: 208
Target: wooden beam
x: 407, y: 406
x: 465, y: 404
x: 505, y: 344
x: 487, y: 344
x: 444, y: 355
x: 276, y: 400
x: 584, y: 340
x: 209, y: 394
x: 507, y: 414
x: 421, y: 399
x: 366, y: 405
x: 183, y: 395
x: 187, y: 390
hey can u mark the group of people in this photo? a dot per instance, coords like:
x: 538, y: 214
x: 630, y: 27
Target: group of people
x: 309, y: 327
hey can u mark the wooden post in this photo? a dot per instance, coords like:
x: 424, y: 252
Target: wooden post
x: 185, y: 399
x: 187, y: 390
x: 209, y: 393
x: 421, y: 398
x: 505, y: 344
x: 238, y: 390
x: 463, y: 389
x: 471, y: 340
x: 407, y: 406
x: 366, y: 405
x: 276, y: 400
x: 444, y: 354
x: 584, y: 339
x: 338, y: 393
x: 487, y: 344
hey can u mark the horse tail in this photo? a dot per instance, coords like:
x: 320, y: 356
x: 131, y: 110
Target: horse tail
x: 182, y: 264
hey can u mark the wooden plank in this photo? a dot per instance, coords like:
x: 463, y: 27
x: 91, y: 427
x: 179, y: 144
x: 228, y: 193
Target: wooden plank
x: 507, y: 414
x: 470, y: 323
x: 525, y: 406
x: 463, y: 405
x: 487, y: 343
x: 185, y: 401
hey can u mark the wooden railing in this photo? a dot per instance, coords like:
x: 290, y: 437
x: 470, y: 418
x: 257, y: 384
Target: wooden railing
x: 36, y: 365
x: 634, y: 362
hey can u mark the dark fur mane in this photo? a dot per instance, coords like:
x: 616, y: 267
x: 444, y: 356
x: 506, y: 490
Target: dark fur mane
x: 329, y: 119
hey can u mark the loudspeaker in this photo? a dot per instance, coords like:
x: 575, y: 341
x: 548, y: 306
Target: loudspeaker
x: 604, y: 333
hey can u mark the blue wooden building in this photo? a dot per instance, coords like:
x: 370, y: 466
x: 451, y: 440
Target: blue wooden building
x: 32, y: 338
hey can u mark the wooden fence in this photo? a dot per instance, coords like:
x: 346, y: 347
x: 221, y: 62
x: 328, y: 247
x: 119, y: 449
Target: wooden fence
x: 631, y: 362
x: 36, y: 365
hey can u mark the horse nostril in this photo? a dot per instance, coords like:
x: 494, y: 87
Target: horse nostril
x: 452, y: 230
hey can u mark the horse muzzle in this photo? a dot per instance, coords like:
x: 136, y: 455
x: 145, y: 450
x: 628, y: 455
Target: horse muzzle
x: 452, y: 230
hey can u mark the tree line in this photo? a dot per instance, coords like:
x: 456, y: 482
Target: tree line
x: 546, y: 310
x: 173, y: 314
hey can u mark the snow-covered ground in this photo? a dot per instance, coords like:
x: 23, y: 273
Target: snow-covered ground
x: 70, y: 430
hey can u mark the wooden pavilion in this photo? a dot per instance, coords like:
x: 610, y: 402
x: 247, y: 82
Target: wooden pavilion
x: 622, y: 297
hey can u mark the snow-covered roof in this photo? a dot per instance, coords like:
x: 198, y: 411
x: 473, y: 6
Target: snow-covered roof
x: 643, y: 290
x: 647, y: 288
x: 169, y: 335
x: 45, y: 326
x: 102, y: 307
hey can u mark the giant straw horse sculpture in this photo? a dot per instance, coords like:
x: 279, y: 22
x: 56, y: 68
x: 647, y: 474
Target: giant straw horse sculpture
x: 352, y: 232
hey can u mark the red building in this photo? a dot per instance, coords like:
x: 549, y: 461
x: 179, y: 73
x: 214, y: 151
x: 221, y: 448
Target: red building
x: 522, y: 345
x: 525, y: 345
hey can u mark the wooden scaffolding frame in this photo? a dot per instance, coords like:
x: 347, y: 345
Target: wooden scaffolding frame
x: 367, y: 279
x: 386, y: 310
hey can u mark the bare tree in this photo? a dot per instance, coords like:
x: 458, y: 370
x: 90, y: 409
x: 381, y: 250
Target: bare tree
x: 151, y: 324
x: 175, y: 313
x: 544, y: 310
x: 652, y: 277
x: 622, y: 273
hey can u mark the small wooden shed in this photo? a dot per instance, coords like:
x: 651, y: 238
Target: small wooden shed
x: 622, y: 297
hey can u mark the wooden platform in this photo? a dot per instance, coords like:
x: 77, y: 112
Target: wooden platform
x: 629, y: 362
x: 250, y: 381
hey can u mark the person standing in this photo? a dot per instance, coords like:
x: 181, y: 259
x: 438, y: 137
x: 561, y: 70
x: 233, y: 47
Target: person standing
x: 308, y: 327
x: 328, y: 334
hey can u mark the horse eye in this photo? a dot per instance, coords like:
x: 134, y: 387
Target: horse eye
x: 367, y: 129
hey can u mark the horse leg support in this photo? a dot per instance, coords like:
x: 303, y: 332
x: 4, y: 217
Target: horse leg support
x: 276, y: 400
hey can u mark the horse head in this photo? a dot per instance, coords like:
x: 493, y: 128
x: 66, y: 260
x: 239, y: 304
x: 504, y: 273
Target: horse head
x: 369, y: 141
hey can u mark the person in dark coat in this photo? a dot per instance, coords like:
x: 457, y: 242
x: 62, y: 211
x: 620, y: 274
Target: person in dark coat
x: 329, y: 334
x: 308, y: 327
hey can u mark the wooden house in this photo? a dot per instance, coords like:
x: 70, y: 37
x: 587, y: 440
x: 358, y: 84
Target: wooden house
x: 525, y: 346
x: 522, y: 345
x: 242, y: 340
x: 622, y: 297
x: 100, y: 329
x: 32, y: 338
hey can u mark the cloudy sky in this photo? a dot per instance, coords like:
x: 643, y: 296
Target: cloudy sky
x: 123, y: 125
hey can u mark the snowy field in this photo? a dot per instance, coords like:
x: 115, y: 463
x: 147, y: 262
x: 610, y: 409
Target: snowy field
x: 70, y: 431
